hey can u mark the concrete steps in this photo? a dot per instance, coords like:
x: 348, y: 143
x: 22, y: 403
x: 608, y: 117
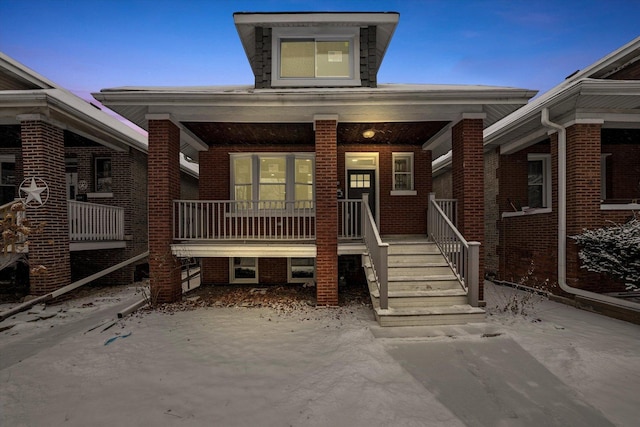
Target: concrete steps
x: 422, y: 288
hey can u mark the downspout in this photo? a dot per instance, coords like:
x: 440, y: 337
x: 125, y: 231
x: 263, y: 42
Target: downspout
x: 562, y: 222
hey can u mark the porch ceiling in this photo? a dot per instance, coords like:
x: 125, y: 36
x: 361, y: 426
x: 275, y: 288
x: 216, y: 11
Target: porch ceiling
x: 224, y: 133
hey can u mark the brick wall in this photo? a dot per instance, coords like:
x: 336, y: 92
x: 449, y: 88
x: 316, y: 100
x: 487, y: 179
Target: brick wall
x: 413, y: 208
x: 164, y: 187
x: 43, y: 157
x: 491, y: 211
x: 443, y: 185
x: 468, y: 183
x: 272, y: 270
x: 326, y: 213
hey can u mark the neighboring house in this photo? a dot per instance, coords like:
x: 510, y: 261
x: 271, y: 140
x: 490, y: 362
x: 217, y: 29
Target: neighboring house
x: 284, y: 163
x: 91, y: 170
x: 567, y: 161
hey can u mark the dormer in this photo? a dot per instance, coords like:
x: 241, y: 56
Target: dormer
x: 315, y: 49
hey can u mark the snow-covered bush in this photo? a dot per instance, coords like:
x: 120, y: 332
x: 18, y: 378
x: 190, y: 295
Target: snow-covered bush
x: 614, y: 251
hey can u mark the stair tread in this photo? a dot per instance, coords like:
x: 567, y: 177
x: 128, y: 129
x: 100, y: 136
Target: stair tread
x: 422, y: 278
x: 423, y: 293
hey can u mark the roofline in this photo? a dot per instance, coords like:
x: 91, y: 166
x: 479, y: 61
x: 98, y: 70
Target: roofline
x: 286, y: 18
x: 26, y: 73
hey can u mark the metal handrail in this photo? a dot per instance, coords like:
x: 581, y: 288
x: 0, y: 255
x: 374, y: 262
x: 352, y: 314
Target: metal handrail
x: 463, y: 257
x: 378, y: 252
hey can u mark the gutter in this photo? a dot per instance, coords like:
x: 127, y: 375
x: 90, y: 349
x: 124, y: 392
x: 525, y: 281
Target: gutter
x: 562, y: 223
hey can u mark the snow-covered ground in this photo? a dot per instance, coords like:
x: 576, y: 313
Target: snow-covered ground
x: 261, y: 367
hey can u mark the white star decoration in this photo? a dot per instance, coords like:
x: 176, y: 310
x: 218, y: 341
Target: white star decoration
x: 34, y: 192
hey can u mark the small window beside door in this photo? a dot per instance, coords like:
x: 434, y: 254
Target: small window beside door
x: 103, y: 175
x: 403, y: 176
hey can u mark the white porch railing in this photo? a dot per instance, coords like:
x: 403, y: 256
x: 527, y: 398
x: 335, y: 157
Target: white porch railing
x: 350, y: 217
x: 91, y: 221
x: 243, y: 220
x: 450, y: 209
x: 462, y: 256
x: 378, y: 252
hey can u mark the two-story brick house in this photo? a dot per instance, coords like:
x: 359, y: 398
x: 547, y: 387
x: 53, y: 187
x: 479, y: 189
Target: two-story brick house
x: 567, y: 161
x: 284, y: 163
x: 93, y: 168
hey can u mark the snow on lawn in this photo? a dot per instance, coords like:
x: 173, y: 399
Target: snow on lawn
x: 232, y: 366
x: 223, y: 367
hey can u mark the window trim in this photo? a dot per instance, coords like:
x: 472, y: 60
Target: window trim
x: 10, y: 158
x: 406, y: 192
x: 352, y: 34
x: 291, y: 279
x: 232, y: 272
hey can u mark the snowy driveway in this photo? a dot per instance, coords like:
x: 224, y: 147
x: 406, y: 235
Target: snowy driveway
x: 325, y: 367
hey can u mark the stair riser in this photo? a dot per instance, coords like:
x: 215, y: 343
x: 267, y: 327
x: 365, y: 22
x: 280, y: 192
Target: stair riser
x: 421, y: 285
x: 413, y: 249
x: 416, y: 259
x: 417, y: 302
x: 440, y: 319
x: 418, y: 271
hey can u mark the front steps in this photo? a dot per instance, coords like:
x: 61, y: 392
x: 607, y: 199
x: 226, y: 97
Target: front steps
x: 422, y: 288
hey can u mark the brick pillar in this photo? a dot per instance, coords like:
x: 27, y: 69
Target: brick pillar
x: 43, y: 157
x: 583, y: 189
x: 326, y: 211
x: 164, y: 187
x: 468, y: 184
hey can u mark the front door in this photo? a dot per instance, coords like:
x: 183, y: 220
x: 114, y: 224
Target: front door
x: 361, y: 181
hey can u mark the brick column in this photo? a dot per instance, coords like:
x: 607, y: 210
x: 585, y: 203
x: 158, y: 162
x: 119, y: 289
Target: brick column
x: 326, y: 211
x: 468, y: 183
x: 583, y: 189
x: 164, y: 187
x: 43, y: 157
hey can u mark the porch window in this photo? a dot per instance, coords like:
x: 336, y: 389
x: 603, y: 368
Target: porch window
x: 301, y: 269
x: 603, y: 175
x: 402, y: 171
x: 539, y: 180
x: 302, y: 57
x: 276, y: 181
x: 7, y: 179
x: 103, y: 183
x: 244, y: 270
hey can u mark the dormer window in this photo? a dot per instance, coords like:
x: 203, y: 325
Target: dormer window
x: 302, y: 57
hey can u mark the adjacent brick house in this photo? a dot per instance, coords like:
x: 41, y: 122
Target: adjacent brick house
x: 567, y: 161
x: 95, y: 171
x: 284, y: 163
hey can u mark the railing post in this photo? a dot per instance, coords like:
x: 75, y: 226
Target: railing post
x: 363, y: 214
x: 473, y: 273
x: 382, y: 272
x: 430, y: 215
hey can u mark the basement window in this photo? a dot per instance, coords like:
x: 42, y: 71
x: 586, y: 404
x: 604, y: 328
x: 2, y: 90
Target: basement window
x: 301, y: 270
x: 244, y: 270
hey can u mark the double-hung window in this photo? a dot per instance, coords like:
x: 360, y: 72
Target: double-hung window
x: 103, y: 174
x: 539, y: 180
x: 402, y: 173
x: 326, y: 57
x: 273, y: 180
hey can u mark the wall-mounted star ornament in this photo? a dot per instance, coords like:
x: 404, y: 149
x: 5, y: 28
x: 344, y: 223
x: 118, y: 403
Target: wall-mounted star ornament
x: 34, y: 192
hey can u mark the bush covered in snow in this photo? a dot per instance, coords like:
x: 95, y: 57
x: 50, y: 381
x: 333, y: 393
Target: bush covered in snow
x: 614, y: 251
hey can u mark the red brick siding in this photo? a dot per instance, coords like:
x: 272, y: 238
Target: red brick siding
x: 164, y: 187
x: 272, y: 270
x: 468, y: 183
x: 214, y: 271
x: 491, y: 211
x: 43, y: 157
x: 443, y: 185
x: 326, y: 212
x: 413, y: 208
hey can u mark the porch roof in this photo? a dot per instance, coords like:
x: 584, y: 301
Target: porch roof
x: 392, y: 104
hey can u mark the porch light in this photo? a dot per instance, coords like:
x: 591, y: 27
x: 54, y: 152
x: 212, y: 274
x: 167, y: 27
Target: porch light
x: 369, y: 133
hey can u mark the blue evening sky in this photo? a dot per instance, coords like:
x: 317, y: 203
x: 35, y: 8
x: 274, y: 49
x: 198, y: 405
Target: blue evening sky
x: 87, y: 45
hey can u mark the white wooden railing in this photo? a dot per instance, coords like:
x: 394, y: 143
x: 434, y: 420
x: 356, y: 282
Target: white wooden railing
x: 350, y: 219
x: 450, y: 209
x: 462, y: 256
x: 243, y: 220
x: 91, y: 221
x: 378, y: 252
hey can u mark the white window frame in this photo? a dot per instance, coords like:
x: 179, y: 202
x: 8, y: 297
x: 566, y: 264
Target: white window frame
x: 290, y: 183
x: 351, y: 34
x: 546, y: 187
x: 232, y: 272
x: 95, y: 174
x: 291, y: 279
x: 409, y: 192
